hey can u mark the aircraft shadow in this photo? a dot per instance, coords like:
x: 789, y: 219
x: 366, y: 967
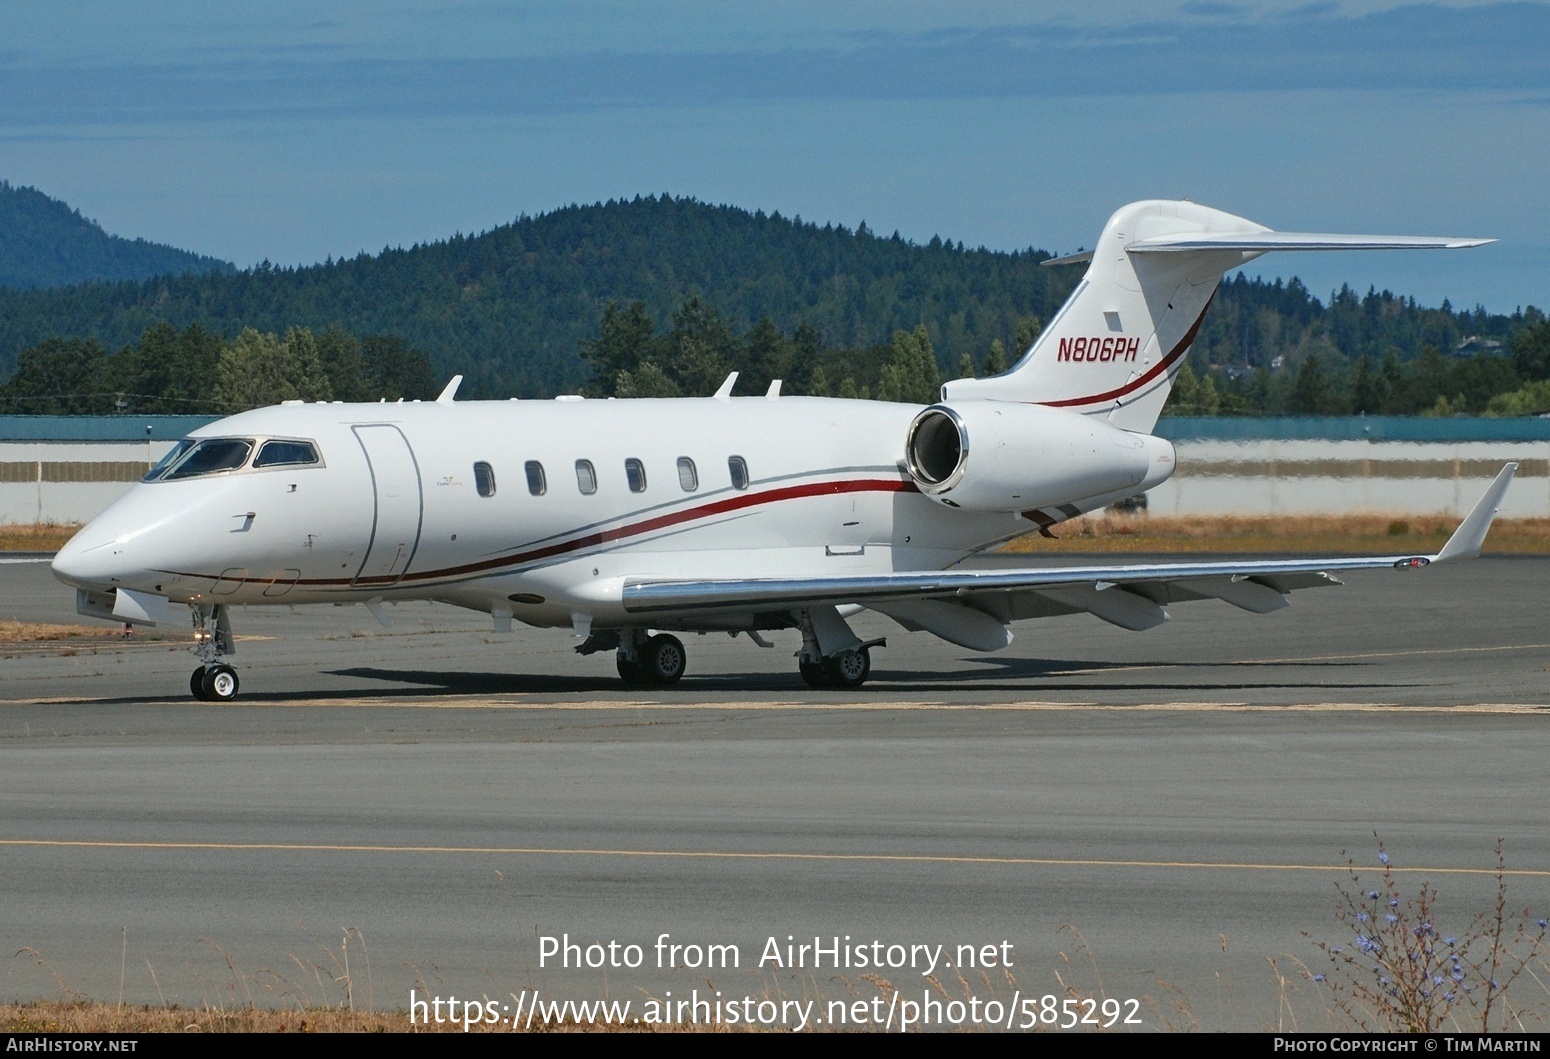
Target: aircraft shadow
x: 1013, y: 677
x: 1017, y: 677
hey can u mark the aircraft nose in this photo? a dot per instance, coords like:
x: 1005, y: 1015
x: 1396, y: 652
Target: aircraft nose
x: 89, y: 560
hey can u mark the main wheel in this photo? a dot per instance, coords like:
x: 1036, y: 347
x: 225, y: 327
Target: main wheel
x: 664, y: 659
x: 220, y: 684
x: 848, y: 669
x: 813, y: 674
x: 196, y: 684
x: 631, y: 672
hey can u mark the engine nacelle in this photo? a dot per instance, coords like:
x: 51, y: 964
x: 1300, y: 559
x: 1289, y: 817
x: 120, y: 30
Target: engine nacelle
x: 1007, y: 456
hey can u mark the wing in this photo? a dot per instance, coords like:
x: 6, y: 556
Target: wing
x: 972, y: 607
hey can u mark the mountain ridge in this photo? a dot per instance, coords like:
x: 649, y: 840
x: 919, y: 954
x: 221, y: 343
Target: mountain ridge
x: 44, y: 242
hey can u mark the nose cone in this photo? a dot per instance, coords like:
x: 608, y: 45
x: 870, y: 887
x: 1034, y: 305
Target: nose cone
x: 91, y: 559
x: 112, y: 550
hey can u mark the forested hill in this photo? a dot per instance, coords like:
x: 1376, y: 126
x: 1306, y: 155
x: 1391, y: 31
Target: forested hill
x: 514, y: 308
x: 511, y: 307
x: 45, y: 243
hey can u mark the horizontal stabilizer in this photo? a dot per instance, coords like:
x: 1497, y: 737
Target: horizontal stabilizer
x: 1260, y: 242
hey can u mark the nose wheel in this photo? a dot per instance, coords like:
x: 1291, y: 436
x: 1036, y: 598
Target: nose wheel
x: 214, y: 680
x: 217, y: 683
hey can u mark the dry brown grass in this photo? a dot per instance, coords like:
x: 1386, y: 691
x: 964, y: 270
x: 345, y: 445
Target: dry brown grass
x: 1125, y: 533
x: 1317, y: 534
x: 43, y: 632
x: 73, y: 1016
x: 37, y: 537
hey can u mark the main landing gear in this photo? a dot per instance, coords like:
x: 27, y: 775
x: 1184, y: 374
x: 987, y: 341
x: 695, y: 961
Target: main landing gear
x: 658, y: 660
x: 647, y: 661
x: 844, y: 671
x: 832, y: 656
x: 214, y: 680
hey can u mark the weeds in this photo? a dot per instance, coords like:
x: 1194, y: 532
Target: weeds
x: 1396, y: 969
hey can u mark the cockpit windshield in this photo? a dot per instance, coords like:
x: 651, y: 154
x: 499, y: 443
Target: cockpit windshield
x: 193, y: 457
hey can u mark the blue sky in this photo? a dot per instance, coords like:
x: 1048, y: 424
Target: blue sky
x: 296, y: 131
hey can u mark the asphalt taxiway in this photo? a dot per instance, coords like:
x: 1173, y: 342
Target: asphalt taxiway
x: 1165, y: 812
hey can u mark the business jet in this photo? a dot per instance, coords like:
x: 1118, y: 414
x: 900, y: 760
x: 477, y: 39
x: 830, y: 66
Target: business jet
x: 627, y: 521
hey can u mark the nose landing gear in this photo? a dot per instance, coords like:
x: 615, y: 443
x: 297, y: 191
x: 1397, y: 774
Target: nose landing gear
x: 214, y: 680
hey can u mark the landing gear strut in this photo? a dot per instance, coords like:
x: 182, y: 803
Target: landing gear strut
x: 214, y: 680
x: 657, y: 661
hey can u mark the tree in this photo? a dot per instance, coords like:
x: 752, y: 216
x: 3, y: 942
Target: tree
x: 1531, y: 351
x: 805, y: 374
x: 258, y: 369
x: 911, y: 374
x: 60, y: 377
x: 1312, y: 396
x: 1370, y: 392
x: 995, y: 360
x: 625, y: 339
x: 647, y: 380
x: 340, y: 354
x: 1028, y: 330
x: 395, y: 369
x: 766, y: 355
x: 698, y: 348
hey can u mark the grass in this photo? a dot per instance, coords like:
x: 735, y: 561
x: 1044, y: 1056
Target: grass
x: 36, y: 537
x: 83, y: 1016
x: 1121, y: 533
x: 44, y: 632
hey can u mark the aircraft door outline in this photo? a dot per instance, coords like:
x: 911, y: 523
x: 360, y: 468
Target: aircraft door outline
x: 398, y: 504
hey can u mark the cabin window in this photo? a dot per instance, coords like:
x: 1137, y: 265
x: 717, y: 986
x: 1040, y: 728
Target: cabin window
x: 687, y: 476
x: 536, y: 483
x: 484, y: 478
x: 586, y: 477
x: 285, y: 454
x: 635, y: 471
x: 198, y: 456
x: 739, y: 468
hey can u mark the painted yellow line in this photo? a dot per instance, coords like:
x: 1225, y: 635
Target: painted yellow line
x: 667, y: 854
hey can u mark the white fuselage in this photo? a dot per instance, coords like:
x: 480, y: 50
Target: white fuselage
x: 393, y: 506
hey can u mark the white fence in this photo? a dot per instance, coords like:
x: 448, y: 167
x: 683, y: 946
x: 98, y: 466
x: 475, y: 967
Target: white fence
x: 1306, y: 477
x: 72, y: 480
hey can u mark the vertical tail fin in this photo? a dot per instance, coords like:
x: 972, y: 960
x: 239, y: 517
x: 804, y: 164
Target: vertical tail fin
x: 1115, y: 347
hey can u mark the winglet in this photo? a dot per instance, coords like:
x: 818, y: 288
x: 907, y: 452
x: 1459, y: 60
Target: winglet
x: 450, y: 392
x: 726, y: 388
x: 1467, y: 539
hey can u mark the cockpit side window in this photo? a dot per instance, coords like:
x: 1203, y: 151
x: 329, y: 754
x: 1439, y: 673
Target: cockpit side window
x: 176, y: 453
x: 199, y: 456
x: 285, y: 453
